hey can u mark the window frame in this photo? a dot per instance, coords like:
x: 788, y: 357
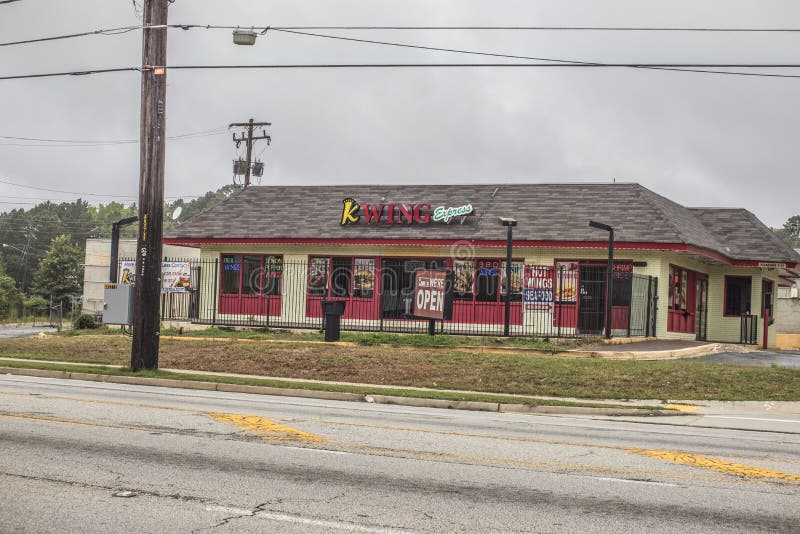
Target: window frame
x: 725, y: 294
x: 261, y: 285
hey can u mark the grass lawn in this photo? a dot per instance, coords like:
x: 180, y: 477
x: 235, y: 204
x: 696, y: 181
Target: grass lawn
x: 438, y: 368
x: 385, y: 338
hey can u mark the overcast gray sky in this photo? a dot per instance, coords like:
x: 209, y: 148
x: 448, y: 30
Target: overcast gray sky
x: 699, y: 139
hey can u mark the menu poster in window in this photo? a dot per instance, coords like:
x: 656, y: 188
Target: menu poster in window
x: 463, y: 271
x: 623, y: 271
x: 364, y: 279
x: 538, y: 292
x: 273, y: 266
x: 175, y: 276
x: 432, y: 295
x: 318, y: 276
x: 127, y: 272
x: 566, y: 271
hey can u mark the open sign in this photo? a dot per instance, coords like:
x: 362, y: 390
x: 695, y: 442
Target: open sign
x: 432, y: 295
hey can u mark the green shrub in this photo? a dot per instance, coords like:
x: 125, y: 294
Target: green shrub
x: 85, y: 322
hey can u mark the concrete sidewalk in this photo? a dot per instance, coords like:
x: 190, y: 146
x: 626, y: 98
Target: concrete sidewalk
x: 652, y: 349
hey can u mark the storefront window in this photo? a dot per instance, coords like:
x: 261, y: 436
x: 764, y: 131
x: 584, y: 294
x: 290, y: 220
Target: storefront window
x: 463, y: 271
x: 231, y: 269
x: 737, y: 295
x: 273, y: 273
x: 318, y: 277
x: 364, y: 278
x: 341, y: 277
x: 516, y: 281
x: 678, y: 282
x: 487, y: 281
x: 251, y: 275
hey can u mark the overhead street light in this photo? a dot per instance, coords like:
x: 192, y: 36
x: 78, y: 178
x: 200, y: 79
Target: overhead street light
x: 609, y: 274
x: 244, y: 37
x: 509, y: 223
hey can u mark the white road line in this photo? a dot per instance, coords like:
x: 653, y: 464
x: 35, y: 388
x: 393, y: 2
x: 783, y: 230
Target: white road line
x: 326, y: 451
x: 629, y: 481
x: 764, y: 419
x: 292, y: 518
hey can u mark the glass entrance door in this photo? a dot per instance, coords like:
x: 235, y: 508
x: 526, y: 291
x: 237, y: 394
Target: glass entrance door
x: 701, y: 310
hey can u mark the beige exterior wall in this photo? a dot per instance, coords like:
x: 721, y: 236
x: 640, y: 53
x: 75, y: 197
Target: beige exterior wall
x: 720, y: 328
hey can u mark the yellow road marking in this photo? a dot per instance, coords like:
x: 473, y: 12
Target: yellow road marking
x: 704, y: 462
x: 683, y: 407
x: 427, y: 455
x: 266, y: 429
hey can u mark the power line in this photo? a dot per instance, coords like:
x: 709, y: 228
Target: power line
x: 84, y: 194
x: 126, y: 29
x: 71, y: 73
x: 110, y: 31
x: 554, y: 61
x: 118, y: 141
x: 66, y: 143
x: 264, y: 29
x: 680, y: 67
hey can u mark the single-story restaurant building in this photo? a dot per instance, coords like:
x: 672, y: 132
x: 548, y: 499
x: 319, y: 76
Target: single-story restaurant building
x: 270, y: 254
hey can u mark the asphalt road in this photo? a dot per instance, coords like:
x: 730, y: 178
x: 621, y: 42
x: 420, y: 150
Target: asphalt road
x: 11, y: 331
x: 199, y: 461
x: 767, y: 358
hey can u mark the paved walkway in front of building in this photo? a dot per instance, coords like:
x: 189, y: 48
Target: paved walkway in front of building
x: 652, y: 349
x: 8, y: 331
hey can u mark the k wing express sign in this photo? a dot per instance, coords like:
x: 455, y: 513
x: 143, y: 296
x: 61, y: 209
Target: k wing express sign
x: 433, y: 298
x: 423, y: 213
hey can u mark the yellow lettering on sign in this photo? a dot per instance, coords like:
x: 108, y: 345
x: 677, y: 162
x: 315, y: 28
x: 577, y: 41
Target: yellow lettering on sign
x: 349, y: 211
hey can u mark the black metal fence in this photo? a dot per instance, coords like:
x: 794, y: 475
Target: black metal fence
x: 265, y: 291
x: 748, y: 329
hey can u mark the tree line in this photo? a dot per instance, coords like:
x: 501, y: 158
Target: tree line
x: 43, y: 248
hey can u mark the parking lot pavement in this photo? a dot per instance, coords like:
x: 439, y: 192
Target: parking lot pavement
x: 788, y: 359
x: 11, y: 331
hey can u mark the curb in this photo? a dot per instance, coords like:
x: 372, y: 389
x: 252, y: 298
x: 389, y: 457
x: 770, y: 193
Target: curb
x: 341, y: 396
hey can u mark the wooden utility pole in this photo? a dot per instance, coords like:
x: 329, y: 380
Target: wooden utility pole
x: 147, y: 292
x: 249, y: 139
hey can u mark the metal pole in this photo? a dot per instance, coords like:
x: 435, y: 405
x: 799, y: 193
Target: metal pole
x: 560, y: 295
x: 610, y: 283
x: 112, y: 267
x: 214, y: 302
x: 147, y: 292
x: 649, y: 304
x: 507, y: 319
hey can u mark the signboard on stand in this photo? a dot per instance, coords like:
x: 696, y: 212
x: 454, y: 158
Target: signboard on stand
x: 433, y: 298
x: 175, y: 275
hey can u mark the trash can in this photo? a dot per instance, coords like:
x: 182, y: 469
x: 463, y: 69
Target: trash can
x: 333, y: 311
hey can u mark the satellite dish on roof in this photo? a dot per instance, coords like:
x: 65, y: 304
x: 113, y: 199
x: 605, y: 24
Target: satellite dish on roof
x: 177, y: 213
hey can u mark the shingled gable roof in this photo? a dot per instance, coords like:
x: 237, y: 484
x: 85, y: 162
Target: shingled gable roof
x: 545, y: 212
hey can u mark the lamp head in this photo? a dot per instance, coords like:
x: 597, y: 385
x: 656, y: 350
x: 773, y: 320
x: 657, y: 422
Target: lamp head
x: 600, y: 226
x: 507, y: 221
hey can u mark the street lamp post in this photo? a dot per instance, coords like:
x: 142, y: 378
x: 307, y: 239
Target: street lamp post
x: 115, y: 227
x: 509, y: 223
x: 609, y: 274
